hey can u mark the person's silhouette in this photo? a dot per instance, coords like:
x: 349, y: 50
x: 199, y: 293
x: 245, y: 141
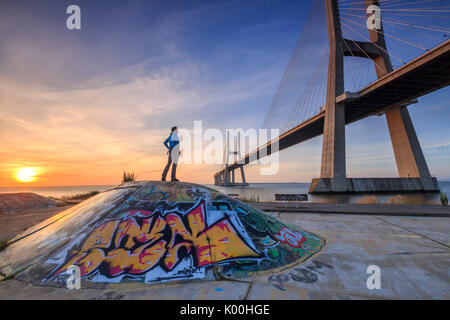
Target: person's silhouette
x: 173, y: 144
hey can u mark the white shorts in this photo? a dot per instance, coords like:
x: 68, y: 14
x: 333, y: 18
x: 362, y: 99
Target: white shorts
x: 175, y: 154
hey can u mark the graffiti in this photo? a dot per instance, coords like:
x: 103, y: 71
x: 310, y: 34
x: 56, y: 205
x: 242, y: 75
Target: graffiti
x: 165, y: 232
x: 303, y: 275
x: 317, y: 265
x: 293, y: 238
x: 149, y: 194
x: 196, y: 193
x: 278, y: 280
x: 281, y: 244
x: 142, y: 240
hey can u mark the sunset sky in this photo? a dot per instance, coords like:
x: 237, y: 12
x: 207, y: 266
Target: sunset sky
x: 82, y: 106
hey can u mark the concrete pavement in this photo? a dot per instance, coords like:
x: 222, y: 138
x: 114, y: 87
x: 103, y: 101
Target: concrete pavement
x: 413, y: 254
x: 356, y: 208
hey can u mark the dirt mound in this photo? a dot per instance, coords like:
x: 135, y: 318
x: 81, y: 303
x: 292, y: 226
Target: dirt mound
x: 25, y: 200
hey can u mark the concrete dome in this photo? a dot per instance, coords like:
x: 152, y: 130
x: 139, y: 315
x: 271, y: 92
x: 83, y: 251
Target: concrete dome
x: 152, y: 232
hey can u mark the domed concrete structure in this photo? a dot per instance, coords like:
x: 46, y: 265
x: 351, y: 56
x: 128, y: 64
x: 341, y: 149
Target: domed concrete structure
x: 154, y: 232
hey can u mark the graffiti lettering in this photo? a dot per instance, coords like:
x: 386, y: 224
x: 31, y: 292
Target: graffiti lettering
x: 163, y: 232
x: 293, y: 238
x: 278, y: 280
x: 142, y: 240
x: 304, y: 275
x: 187, y: 271
x: 318, y: 265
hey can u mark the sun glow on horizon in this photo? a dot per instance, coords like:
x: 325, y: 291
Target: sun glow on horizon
x: 26, y: 174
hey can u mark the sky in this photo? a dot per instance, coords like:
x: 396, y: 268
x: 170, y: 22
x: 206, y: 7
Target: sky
x: 82, y: 106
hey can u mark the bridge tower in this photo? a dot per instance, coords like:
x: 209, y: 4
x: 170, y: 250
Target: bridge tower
x: 411, y: 164
x: 227, y: 176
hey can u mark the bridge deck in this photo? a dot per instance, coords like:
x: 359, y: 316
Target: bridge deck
x: 426, y: 73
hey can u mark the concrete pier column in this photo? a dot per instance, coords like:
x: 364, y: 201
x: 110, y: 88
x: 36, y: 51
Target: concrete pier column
x: 333, y: 164
x: 333, y: 167
x: 412, y: 167
x: 409, y: 157
x: 243, y: 175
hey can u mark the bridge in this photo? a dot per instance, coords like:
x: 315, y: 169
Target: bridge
x: 390, y: 94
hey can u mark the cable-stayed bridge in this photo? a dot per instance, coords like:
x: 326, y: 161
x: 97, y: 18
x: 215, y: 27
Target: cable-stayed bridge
x: 341, y: 72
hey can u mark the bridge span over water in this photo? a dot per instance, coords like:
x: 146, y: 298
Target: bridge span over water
x: 389, y: 94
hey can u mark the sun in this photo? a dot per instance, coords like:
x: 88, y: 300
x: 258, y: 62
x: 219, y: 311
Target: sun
x: 26, y: 174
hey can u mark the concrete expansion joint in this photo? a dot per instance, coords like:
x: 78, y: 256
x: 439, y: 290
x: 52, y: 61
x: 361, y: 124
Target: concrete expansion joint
x: 413, y: 232
x: 250, y: 287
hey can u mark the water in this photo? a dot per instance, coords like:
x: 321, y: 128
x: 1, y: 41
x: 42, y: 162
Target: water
x: 267, y: 191
x: 56, y: 192
x: 264, y: 192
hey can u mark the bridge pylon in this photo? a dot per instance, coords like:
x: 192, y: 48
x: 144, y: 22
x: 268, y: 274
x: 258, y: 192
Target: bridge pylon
x: 227, y: 177
x: 414, y: 175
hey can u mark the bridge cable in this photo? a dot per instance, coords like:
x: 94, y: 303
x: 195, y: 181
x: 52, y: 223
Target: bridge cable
x: 367, y: 39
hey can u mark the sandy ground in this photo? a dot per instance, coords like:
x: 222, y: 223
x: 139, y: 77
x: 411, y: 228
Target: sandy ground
x: 13, y: 223
x: 413, y: 254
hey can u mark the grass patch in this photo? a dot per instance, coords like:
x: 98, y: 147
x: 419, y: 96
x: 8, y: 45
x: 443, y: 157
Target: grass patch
x: 444, y: 199
x: 80, y: 196
x: 128, y: 177
x: 3, y: 244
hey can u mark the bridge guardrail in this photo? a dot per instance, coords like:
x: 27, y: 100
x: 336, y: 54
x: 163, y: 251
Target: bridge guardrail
x: 291, y: 197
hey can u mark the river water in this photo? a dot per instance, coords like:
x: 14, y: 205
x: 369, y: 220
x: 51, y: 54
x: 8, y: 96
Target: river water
x: 266, y: 192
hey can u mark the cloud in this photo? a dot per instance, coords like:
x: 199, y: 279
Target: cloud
x: 119, y: 123
x: 84, y: 106
x: 437, y: 146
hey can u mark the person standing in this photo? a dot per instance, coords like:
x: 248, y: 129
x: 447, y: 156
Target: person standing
x: 173, y: 144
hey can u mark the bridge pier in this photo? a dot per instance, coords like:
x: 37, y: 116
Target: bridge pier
x: 411, y: 164
x: 227, y: 178
x: 408, y: 153
x: 390, y: 94
x: 333, y: 168
x: 375, y: 185
x: 414, y: 175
